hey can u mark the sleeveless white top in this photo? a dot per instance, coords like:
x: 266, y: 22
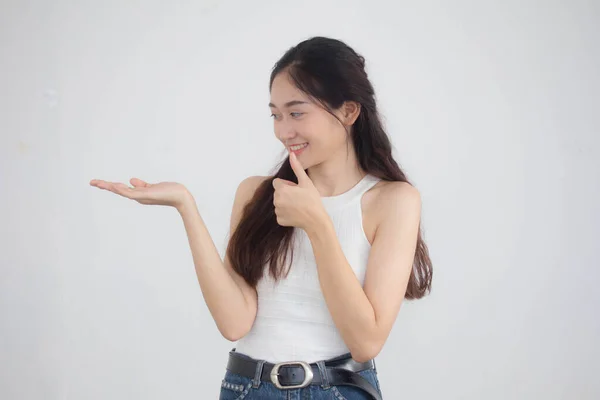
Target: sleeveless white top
x: 293, y: 322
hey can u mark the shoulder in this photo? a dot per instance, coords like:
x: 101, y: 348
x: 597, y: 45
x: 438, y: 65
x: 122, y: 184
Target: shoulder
x: 248, y: 186
x: 393, y: 193
x: 396, y: 193
x: 395, y: 198
x: 253, y: 181
x: 386, y: 200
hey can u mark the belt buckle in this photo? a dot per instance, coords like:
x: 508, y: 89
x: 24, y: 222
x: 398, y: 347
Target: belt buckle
x: 308, y: 374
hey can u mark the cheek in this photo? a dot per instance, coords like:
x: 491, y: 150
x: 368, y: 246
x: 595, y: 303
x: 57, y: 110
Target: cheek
x: 319, y: 127
x: 327, y: 133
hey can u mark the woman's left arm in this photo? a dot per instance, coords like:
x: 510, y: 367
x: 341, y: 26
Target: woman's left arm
x: 365, y: 315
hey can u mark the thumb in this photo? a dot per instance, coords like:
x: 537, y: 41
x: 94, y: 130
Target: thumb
x: 138, y: 182
x: 303, y: 178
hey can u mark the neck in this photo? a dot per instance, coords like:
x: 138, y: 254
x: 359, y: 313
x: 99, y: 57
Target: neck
x: 337, y: 174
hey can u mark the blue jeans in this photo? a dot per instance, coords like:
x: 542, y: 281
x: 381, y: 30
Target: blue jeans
x: 238, y: 387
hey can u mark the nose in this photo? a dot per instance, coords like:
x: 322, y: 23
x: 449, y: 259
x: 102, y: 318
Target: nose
x: 285, y: 132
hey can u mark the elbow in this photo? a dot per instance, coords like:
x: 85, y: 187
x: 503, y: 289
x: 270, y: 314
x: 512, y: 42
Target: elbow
x: 235, y: 326
x: 232, y: 336
x: 234, y: 333
x: 366, y: 350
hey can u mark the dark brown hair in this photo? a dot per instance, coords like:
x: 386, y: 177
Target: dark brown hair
x: 330, y: 73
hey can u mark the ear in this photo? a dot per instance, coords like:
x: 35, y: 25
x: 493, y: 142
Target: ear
x: 350, y: 112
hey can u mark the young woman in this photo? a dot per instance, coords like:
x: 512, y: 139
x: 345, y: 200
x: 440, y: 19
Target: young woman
x: 309, y: 325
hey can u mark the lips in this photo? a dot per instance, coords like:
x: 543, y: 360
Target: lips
x: 298, y: 144
x: 298, y: 151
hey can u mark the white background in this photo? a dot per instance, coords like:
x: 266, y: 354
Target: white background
x: 492, y: 108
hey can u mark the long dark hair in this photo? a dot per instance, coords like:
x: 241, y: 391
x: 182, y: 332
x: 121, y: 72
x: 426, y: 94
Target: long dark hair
x: 330, y: 72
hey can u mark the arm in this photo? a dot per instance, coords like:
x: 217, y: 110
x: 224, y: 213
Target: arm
x: 231, y: 301
x: 365, y: 317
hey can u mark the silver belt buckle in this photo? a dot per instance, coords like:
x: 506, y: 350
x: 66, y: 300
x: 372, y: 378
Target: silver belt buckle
x: 308, y: 374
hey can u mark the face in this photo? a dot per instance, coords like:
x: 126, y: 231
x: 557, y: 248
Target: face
x: 298, y: 120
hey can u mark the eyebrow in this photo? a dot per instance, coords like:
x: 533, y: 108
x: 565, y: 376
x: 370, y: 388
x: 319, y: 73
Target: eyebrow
x: 290, y: 103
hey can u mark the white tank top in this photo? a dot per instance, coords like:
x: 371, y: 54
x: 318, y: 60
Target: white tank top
x: 293, y: 322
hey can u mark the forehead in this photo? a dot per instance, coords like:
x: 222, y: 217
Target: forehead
x: 284, y: 91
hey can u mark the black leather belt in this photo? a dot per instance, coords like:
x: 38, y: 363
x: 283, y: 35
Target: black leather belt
x: 339, y: 371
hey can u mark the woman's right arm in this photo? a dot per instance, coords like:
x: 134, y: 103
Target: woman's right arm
x: 231, y: 301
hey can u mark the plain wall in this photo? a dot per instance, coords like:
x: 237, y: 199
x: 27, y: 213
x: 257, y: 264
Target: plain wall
x: 493, y: 111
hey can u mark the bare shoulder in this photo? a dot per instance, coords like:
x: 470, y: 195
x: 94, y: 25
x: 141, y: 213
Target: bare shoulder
x: 400, y: 194
x: 248, y: 186
x: 399, y: 201
x: 385, y: 198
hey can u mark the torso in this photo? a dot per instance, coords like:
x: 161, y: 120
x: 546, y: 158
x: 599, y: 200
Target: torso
x: 296, y: 305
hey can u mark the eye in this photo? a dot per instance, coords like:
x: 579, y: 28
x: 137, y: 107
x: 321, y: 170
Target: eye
x: 296, y: 114
x: 275, y: 116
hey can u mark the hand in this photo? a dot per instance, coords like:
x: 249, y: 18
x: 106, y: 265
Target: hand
x: 299, y: 204
x: 164, y: 193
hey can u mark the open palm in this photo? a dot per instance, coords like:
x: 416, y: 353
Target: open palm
x: 163, y: 193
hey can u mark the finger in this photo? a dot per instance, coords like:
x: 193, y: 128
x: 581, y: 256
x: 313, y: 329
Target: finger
x: 303, y: 179
x: 122, y: 189
x: 96, y: 182
x: 138, y: 182
x: 100, y: 184
x: 126, y: 191
x: 117, y: 188
x: 278, y: 182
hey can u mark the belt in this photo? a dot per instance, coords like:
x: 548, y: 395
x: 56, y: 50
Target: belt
x: 341, y: 370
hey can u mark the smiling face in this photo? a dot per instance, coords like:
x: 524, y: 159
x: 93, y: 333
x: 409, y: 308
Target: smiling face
x: 297, y: 119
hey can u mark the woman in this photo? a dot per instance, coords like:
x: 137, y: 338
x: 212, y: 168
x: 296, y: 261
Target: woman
x: 349, y: 219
